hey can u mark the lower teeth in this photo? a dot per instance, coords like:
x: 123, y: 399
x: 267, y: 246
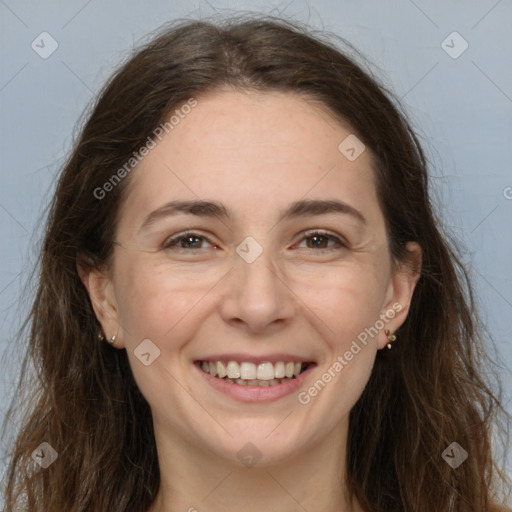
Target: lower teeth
x: 260, y: 383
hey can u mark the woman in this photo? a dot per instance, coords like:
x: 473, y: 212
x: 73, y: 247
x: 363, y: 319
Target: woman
x: 245, y: 300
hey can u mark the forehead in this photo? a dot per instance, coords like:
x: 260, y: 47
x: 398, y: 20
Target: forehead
x: 274, y: 126
x: 255, y: 150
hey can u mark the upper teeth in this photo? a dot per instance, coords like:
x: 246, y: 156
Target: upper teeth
x: 251, y: 371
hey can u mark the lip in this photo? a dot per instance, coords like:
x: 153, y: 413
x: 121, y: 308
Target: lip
x: 240, y: 358
x: 252, y: 394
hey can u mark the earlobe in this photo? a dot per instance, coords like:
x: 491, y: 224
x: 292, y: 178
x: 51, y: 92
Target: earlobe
x: 101, y: 293
x: 402, y: 286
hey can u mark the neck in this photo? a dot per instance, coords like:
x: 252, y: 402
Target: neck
x: 194, y: 480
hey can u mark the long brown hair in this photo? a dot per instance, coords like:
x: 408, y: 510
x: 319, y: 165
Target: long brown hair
x: 431, y: 390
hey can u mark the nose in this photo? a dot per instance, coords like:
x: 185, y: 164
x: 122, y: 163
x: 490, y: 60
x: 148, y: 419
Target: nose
x: 256, y: 296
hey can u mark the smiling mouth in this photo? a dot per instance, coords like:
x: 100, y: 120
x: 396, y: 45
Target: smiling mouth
x: 250, y: 374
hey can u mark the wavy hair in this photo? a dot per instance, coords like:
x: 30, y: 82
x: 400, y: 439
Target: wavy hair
x: 432, y: 389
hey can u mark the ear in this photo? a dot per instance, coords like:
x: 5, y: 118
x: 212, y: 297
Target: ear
x: 100, y: 287
x: 400, y: 292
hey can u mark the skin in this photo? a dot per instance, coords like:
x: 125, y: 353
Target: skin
x: 256, y: 153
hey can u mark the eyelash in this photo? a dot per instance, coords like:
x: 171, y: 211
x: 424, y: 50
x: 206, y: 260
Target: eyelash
x: 172, y: 242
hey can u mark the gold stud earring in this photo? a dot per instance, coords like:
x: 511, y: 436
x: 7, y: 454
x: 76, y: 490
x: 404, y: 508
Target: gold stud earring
x: 391, y: 337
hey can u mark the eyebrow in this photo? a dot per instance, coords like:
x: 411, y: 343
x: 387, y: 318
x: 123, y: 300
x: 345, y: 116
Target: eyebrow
x: 214, y: 209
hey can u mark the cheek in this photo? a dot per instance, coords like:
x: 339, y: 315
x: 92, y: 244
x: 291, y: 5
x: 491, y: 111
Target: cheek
x: 157, y: 304
x: 153, y: 299
x: 154, y: 296
x: 345, y: 300
x: 346, y: 308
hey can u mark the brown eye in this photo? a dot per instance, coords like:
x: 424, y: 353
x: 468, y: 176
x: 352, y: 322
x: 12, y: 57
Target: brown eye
x: 320, y: 240
x: 185, y: 241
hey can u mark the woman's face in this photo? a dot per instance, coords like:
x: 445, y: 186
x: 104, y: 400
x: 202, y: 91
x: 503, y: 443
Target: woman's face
x: 251, y: 242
